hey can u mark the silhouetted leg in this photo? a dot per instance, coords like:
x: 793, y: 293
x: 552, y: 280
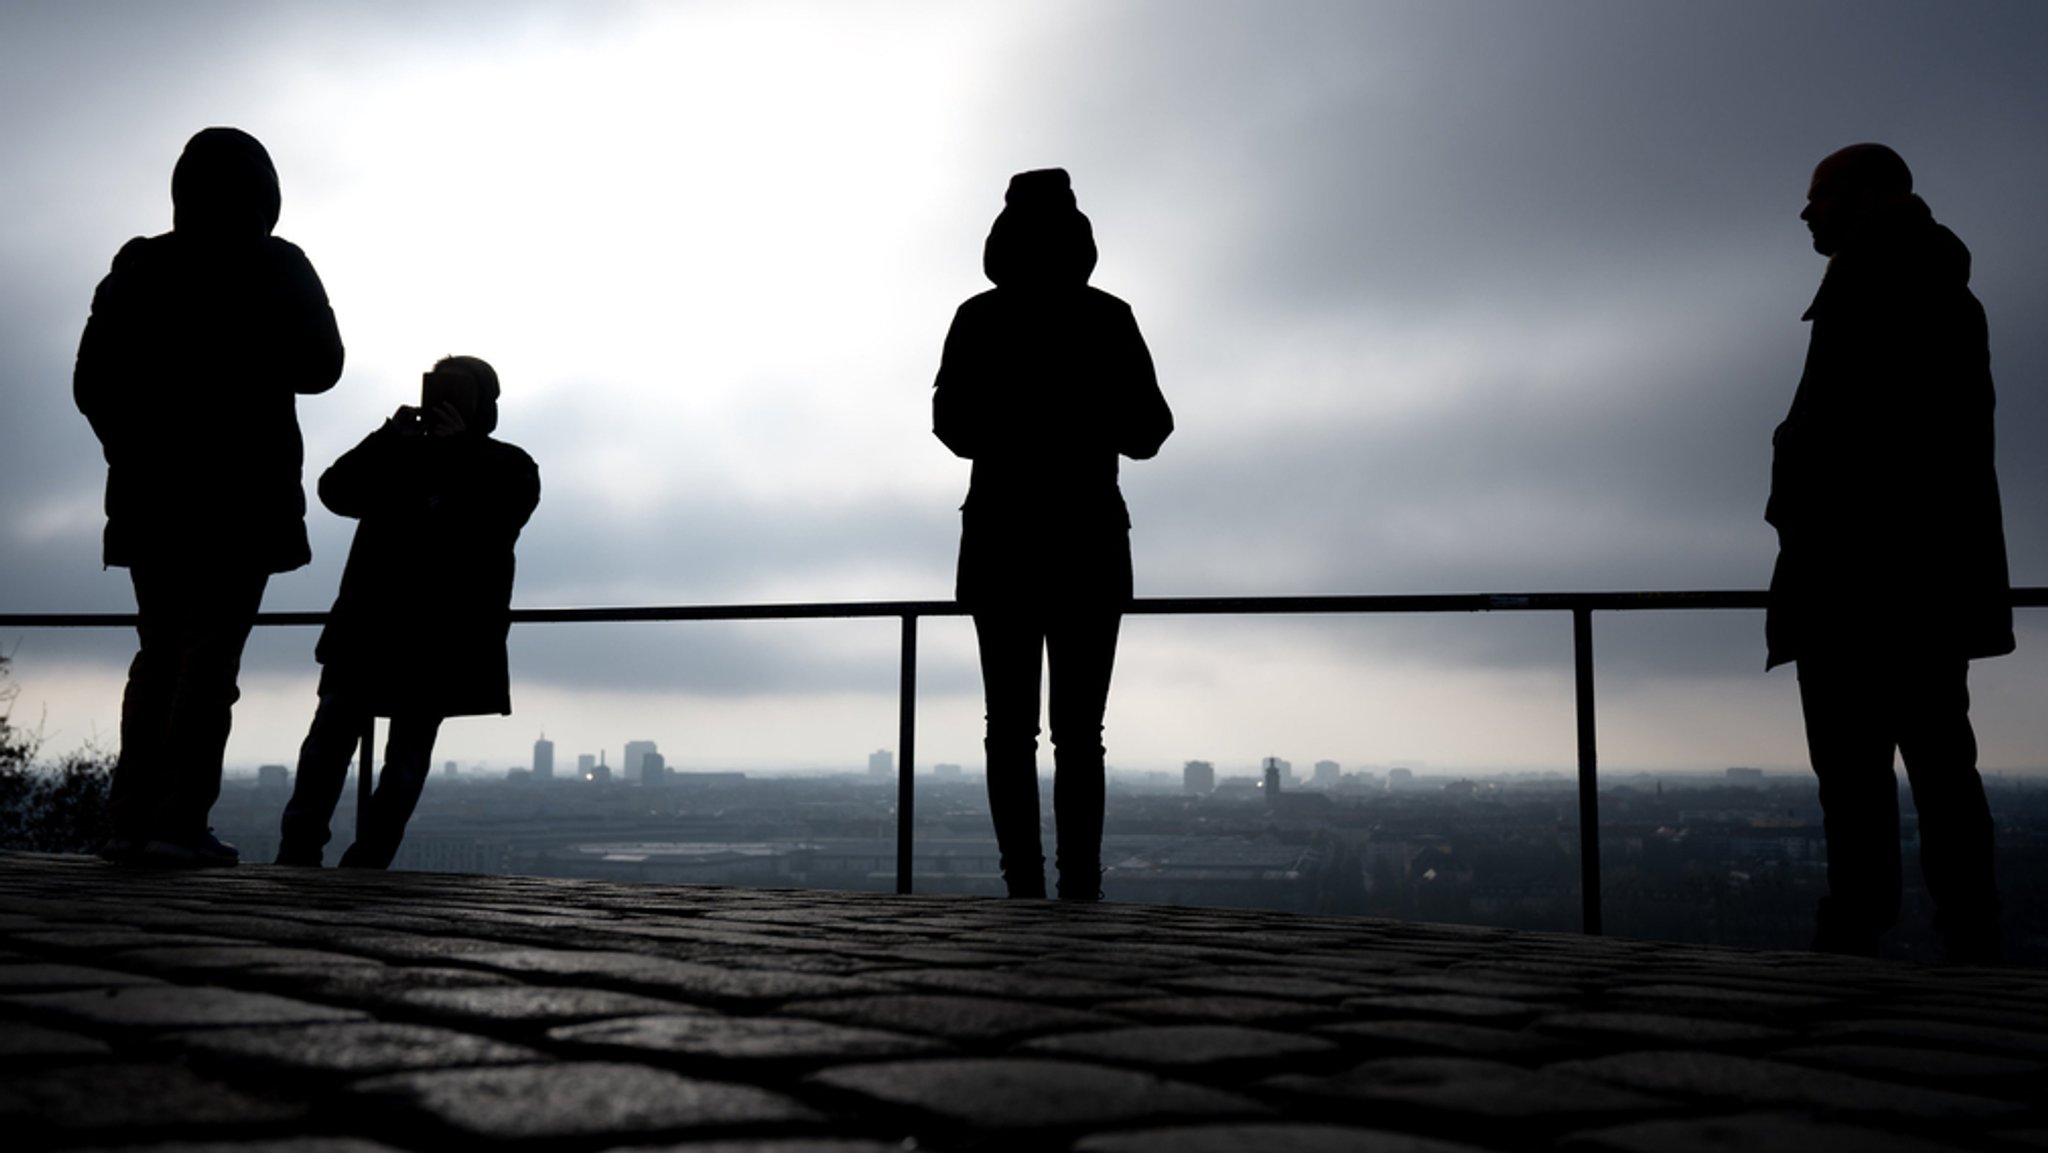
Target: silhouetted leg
x: 1940, y: 751
x: 1081, y: 651
x: 1849, y: 739
x: 139, y: 772
x: 1012, y: 648
x: 211, y: 618
x: 407, y: 753
x: 324, y: 759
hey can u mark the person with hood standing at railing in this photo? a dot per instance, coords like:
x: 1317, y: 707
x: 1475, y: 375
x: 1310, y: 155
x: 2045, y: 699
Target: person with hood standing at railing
x: 199, y: 343
x: 1043, y: 383
x: 1891, y: 573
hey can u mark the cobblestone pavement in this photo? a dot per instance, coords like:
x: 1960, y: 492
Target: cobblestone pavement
x: 264, y: 1009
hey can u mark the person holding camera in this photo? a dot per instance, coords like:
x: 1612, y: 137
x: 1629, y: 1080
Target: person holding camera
x: 417, y: 633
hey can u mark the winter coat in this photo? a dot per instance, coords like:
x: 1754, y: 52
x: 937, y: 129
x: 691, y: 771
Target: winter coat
x: 1043, y: 383
x: 1883, y: 492
x: 425, y: 604
x: 199, y: 342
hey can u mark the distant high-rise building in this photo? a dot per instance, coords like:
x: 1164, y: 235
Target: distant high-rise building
x: 585, y: 765
x: 1326, y: 775
x: 1198, y: 778
x: 947, y: 769
x: 450, y: 768
x: 543, y: 759
x: 653, y: 769
x: 1400, y: 779
x: 881, y: 763
x: 631, y: 760
x: 1749, y: 778
x: 273, y: 777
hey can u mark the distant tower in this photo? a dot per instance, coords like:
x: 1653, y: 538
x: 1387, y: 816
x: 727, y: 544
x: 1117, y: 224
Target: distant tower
x: 543, y: 759
x: 881, y: 763
x: 1273, y: 780
x: 632, y: 762
x: 1198, y: 778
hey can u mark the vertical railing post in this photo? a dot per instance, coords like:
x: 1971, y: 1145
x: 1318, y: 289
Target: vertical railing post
x: 1589, y: 773
x: 366, y: 773
x: 906, y: 753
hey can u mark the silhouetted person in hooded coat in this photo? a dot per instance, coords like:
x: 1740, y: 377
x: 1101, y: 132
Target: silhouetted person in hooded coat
x: 418, y: 630
x: 1891, y: 573
x: 199, y: 343
x: 1044, y: 382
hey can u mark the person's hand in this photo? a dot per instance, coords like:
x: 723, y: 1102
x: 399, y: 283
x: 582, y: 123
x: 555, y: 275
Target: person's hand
x: 407, y: 421
x: 444, y: 420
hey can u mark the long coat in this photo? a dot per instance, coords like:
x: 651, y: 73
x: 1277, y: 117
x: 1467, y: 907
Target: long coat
x: 199, y: 342
x: 425, y: 604
x: 1882, y: 483
x: 1042, y: 387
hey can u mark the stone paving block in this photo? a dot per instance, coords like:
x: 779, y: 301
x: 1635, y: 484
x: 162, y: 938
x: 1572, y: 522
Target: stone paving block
x: 1265, y: 1011
x: 1011, y: 984
x: 104, y: 940
x: 1497, y: 986
x: 438, y: 950
x: 33, y: 1045
x: 1266, y: 1137
x: 148, y: 1007
x: 275, y: 1145
x: 1970, y: 1072
x: 1738, y: 1003
x: 40, y: 977
x: 1456, y: 1092
x: 1189, y: 1049
x: 1755, y: 1083
x: 964, y: 1019
x: 1747, y: 1133
x: 585, y: 1101
x: 97, y: 1102
x: 200, y: 960
x: 778, y: 1145
x: 1014, y: 1095
x: 1935, y: 1034
x: 1447, y: 1038
x: 708, y: 1039
x: 530, y: 1006
x: 687, y: 980
x: 1638, y: 1029
x: 363, y: 985
x: 1452, y: 1006
x: 354, y: 1048
x: 1267, y: 984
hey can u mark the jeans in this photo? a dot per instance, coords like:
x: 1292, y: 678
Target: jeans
x: 1081, y: 651
x: 177, y: 710
x: 324, y: 758
x: 1858, y: 711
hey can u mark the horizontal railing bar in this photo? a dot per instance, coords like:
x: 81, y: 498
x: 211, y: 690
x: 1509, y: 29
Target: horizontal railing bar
x: 2031, y: 597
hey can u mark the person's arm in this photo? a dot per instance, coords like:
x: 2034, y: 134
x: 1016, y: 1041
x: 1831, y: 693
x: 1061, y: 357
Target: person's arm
x: 1143, y: 420
x: 379, y: 475
x: 102, y: 376
x: 307, y: 347
x: 959, y: 396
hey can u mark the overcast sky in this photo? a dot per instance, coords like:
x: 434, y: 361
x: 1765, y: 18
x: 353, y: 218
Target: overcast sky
x: 1447, y: 297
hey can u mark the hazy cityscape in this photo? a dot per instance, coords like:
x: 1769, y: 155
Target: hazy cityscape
x: 1733, y: 858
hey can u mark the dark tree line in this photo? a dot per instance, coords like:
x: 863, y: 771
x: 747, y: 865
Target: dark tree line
x: 48, y: 808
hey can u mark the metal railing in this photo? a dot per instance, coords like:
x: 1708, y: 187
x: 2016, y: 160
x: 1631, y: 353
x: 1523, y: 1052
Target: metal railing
x: 1581, y: 606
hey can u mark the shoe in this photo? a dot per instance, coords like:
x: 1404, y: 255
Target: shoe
x: 1086, y: 886
x: 298, y: 858
x: 120, y: 850
x: 203, y: 852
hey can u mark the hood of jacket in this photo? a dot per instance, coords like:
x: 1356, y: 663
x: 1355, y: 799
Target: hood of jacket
x: 224, y: 186
x: 1040, y: 239
x: 1903, y: 240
